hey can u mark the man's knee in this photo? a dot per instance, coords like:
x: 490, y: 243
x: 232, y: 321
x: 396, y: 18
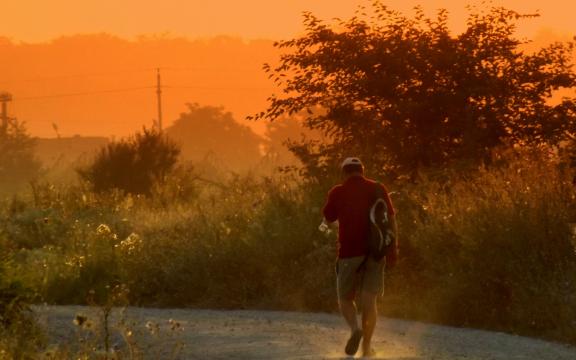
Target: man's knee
x: 368, y: 299
x: 345, y: 303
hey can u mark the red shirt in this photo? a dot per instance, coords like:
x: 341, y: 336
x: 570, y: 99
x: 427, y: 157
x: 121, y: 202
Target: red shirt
x: 350, y: 204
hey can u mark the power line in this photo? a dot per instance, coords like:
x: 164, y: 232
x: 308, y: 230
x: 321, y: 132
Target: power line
x: 213, y: 88
x: 72, y: 76
x: 83, y: 93
x: 111, y: 91
x: 191, y: 69
x: 129, y: 71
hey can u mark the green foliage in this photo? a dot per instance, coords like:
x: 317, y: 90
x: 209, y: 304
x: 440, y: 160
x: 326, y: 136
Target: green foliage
x: 20, y: 337
x: 568, y: 152
x: 405, y: 93
x: 17, y: 162
x: 133, y: 165
x: 491, y: 249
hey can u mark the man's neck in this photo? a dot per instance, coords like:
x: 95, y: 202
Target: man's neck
x: 352, y: 175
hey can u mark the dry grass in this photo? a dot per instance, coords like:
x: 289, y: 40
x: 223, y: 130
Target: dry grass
x: 492, y: 249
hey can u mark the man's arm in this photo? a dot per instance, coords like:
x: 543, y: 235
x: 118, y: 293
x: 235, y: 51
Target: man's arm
x: 392, y: 256
x: 394, y: 228
x: 330, y: 210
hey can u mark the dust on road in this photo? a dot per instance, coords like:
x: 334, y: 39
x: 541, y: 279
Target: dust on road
x: 210, y: 334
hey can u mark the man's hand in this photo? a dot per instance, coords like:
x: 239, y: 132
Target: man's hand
x: 327, y: 227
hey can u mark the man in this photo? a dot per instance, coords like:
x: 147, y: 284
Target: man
x: 357, y: 273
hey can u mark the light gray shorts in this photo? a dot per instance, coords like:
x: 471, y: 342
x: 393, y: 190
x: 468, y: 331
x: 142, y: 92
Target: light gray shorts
x: 358, y: 274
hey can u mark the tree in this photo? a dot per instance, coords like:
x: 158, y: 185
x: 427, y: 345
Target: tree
x: 205, y: 130
x: 17, y: 161
x: 405, y: 93
x: 286, y: 133
x: 133, y: 165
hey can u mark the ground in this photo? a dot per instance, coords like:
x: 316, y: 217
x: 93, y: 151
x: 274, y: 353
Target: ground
x: 210, y: 334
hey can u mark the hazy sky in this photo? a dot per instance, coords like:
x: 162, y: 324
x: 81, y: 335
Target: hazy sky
x: 38, y: 74
x: 41, y: 20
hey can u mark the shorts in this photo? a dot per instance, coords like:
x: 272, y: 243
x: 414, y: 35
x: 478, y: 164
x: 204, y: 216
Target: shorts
x: 358, y: 274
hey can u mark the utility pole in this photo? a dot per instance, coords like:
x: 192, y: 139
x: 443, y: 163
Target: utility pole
x: 5, y: 98
x: 159, y: 95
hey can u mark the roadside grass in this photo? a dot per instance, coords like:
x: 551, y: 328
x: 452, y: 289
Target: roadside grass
x: 491, y: 249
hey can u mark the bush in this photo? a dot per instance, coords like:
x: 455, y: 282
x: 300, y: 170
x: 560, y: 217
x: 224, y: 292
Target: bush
x: 239, y: 247
x: 132, y: 165
x: 490, y: 249
x: 20, y: 337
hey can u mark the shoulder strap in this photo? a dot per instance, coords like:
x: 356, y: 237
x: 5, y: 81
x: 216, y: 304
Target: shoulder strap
x: 379, y: 191
x: 380, y: 199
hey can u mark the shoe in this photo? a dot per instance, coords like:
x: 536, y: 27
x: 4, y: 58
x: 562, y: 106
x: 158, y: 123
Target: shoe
x: 353, y: 343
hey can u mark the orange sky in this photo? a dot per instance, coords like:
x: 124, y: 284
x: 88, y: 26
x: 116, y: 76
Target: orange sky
x: 40, y: 20
x: 211, y: 72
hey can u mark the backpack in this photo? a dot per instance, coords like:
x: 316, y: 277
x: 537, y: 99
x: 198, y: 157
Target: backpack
x: 381, y: 239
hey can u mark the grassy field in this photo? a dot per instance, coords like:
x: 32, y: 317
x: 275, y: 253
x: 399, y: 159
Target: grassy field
x: 491, y: 249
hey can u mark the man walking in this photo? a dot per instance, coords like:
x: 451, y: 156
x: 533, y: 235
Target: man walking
x: 357, y: 273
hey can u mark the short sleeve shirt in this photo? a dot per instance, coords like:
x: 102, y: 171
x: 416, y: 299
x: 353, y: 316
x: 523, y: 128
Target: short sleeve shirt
x: 350, y: 204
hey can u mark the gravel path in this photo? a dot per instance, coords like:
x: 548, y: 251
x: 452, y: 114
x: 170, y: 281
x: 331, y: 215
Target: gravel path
x: 208, y: 334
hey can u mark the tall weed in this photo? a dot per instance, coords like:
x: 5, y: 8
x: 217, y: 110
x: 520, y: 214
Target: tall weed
x: 490, y: 248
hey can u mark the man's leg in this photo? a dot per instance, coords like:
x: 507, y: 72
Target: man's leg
x: 372, y: 287
x: 348, y: 310
x: 369, y: 317
x: 347, y: 283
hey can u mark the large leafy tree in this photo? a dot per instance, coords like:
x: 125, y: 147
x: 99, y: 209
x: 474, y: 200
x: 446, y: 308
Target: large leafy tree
x: 404, y: 92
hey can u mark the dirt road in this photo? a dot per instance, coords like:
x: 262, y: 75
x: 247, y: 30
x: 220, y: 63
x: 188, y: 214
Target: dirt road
x: 207, y: 334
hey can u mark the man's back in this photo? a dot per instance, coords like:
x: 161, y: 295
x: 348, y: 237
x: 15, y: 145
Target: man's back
x: 350, y: 203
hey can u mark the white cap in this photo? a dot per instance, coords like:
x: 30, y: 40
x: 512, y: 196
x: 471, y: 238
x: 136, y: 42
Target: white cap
x: 351, y: 161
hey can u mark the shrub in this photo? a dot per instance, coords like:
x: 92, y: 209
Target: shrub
x: 20, y: 337
x: 132, y: 165
x: 490, y: 250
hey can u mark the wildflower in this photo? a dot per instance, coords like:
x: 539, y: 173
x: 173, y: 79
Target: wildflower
x: 130, y: 244
x: 76, y: 261
x: 49, y: 353
x: 83, y: 322
x: 103, y: 229
x: 174, y: 325
x: 79, y: 320
x: 153, y: 328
